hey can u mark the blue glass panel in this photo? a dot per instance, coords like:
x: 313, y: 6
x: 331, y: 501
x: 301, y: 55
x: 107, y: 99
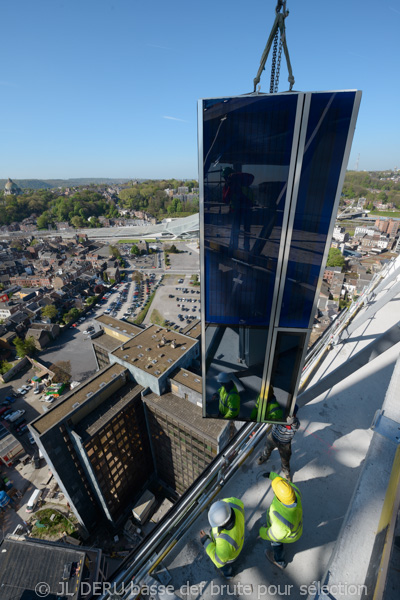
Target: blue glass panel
x: 327, y: 132
x: 247, y: 145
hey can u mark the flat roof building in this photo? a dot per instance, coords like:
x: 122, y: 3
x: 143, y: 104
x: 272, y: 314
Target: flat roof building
x: 27, y: 563
x: 153, y: 354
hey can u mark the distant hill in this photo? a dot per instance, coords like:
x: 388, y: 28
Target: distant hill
x: 46, y: 184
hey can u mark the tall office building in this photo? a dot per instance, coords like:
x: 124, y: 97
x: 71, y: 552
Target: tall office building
x: 135, y: 423
x: 183, y: 443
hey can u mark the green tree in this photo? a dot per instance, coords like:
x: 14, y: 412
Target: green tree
x: 115, y: 252
x: 49, y: 311
x: 71, y: 315
x: 43, y: 221
x: 91, y: 300
x: 77, y: 221
x: 25, y: 347
x: 335, y: 258
x: 5, y: 366
x: 135, y: 250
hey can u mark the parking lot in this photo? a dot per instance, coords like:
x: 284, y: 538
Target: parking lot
x: 29, y: 402
x: 169, y: 307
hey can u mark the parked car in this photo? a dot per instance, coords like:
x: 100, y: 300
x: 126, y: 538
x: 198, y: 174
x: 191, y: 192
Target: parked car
x: 22, y: 430
x: 15, y: 415
x: 10, y: 399
x: 21, y: 391
x: 5, y: 403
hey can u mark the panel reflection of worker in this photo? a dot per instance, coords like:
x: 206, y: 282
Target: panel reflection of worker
x: 228, y: 397
x: 274, y: 410
x: 284, y: 519
x: 238, y: 195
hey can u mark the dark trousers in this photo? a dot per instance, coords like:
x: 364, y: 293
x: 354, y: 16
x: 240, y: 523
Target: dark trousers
x: 279, y: 553
x: 285, y: 451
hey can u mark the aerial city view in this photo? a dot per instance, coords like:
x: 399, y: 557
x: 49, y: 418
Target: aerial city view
x: 199, y: 341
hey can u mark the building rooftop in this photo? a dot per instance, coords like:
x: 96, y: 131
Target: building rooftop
x: 77, y: 396
x: 25, y: 563
x: 151, y: 349
x: 97, y: 419
x: 189, y: 379
x: 193, y: 330
x: 182, y: 411
x: 119, y: 326
x: 107, y: 342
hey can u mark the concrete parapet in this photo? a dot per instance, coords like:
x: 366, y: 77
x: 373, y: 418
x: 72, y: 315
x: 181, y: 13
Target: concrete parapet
x: 359, y: 562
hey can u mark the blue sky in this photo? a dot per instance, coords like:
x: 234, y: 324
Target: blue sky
x: 109, y: 88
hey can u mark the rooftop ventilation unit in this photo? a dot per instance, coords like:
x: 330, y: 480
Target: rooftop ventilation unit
x: 185, y: 374
x: 124, y: 331
x: 89, y: 394
x: 183, y: 347
x: 125, y: 356
x: 139, y: 346
x: 140, y: 355
x: 161, y: 355
x: 155, y: 361
x: 103, y: 383
x: 114, y: 375
x: 148, y: 349
x: 148, y: 366
x: 197, y: 380
x: 170, y: 360
x: 75, y: 405
x: 157, y: 372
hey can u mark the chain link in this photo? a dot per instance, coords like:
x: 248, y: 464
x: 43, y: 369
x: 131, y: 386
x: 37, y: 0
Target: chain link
x: 278, y: 66
x: 274, y: 51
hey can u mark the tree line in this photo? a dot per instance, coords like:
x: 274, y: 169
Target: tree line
x: 359, y: 184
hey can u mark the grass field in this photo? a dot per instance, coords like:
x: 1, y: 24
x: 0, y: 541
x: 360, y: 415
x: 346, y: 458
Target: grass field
x: 385, y: 213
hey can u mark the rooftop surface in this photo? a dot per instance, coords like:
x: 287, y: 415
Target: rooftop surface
x: 120, y: 326
x: 193, y: 329
x: 97, y: 419
x: 190, y: 380
x: 151, y: 349
x: 108, y: 342
x: 328, y: 453
x: 24, y: 564
x: 77, y: 395
x: 184, y: 412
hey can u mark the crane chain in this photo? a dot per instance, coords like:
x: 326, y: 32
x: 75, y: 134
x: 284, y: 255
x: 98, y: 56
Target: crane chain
x: 274, y: 51
x: 278, y: 66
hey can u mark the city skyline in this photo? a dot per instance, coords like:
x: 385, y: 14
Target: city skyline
x: 106, y: 89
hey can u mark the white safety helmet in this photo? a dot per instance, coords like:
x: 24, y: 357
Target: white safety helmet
x: 224, y: 378
x: 219, y: 514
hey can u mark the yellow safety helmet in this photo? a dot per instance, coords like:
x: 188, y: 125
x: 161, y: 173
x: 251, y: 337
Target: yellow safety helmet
x: 283, y: 490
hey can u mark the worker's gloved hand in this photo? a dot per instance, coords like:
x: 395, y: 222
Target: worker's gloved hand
x: 266, y: 475
x: 203, y: 537
x: 290, y: 420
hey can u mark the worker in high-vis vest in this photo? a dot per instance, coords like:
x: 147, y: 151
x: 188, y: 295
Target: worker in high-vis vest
x: 284, y: 518
x: 228, y: 397
x: 274, y: 410
x: 225, y: 542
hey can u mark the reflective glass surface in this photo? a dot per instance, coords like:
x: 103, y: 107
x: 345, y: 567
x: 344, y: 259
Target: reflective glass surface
x: 327, y: 131
x: 238, y: 352
x: 247, y: 145
x: 285, y: 368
